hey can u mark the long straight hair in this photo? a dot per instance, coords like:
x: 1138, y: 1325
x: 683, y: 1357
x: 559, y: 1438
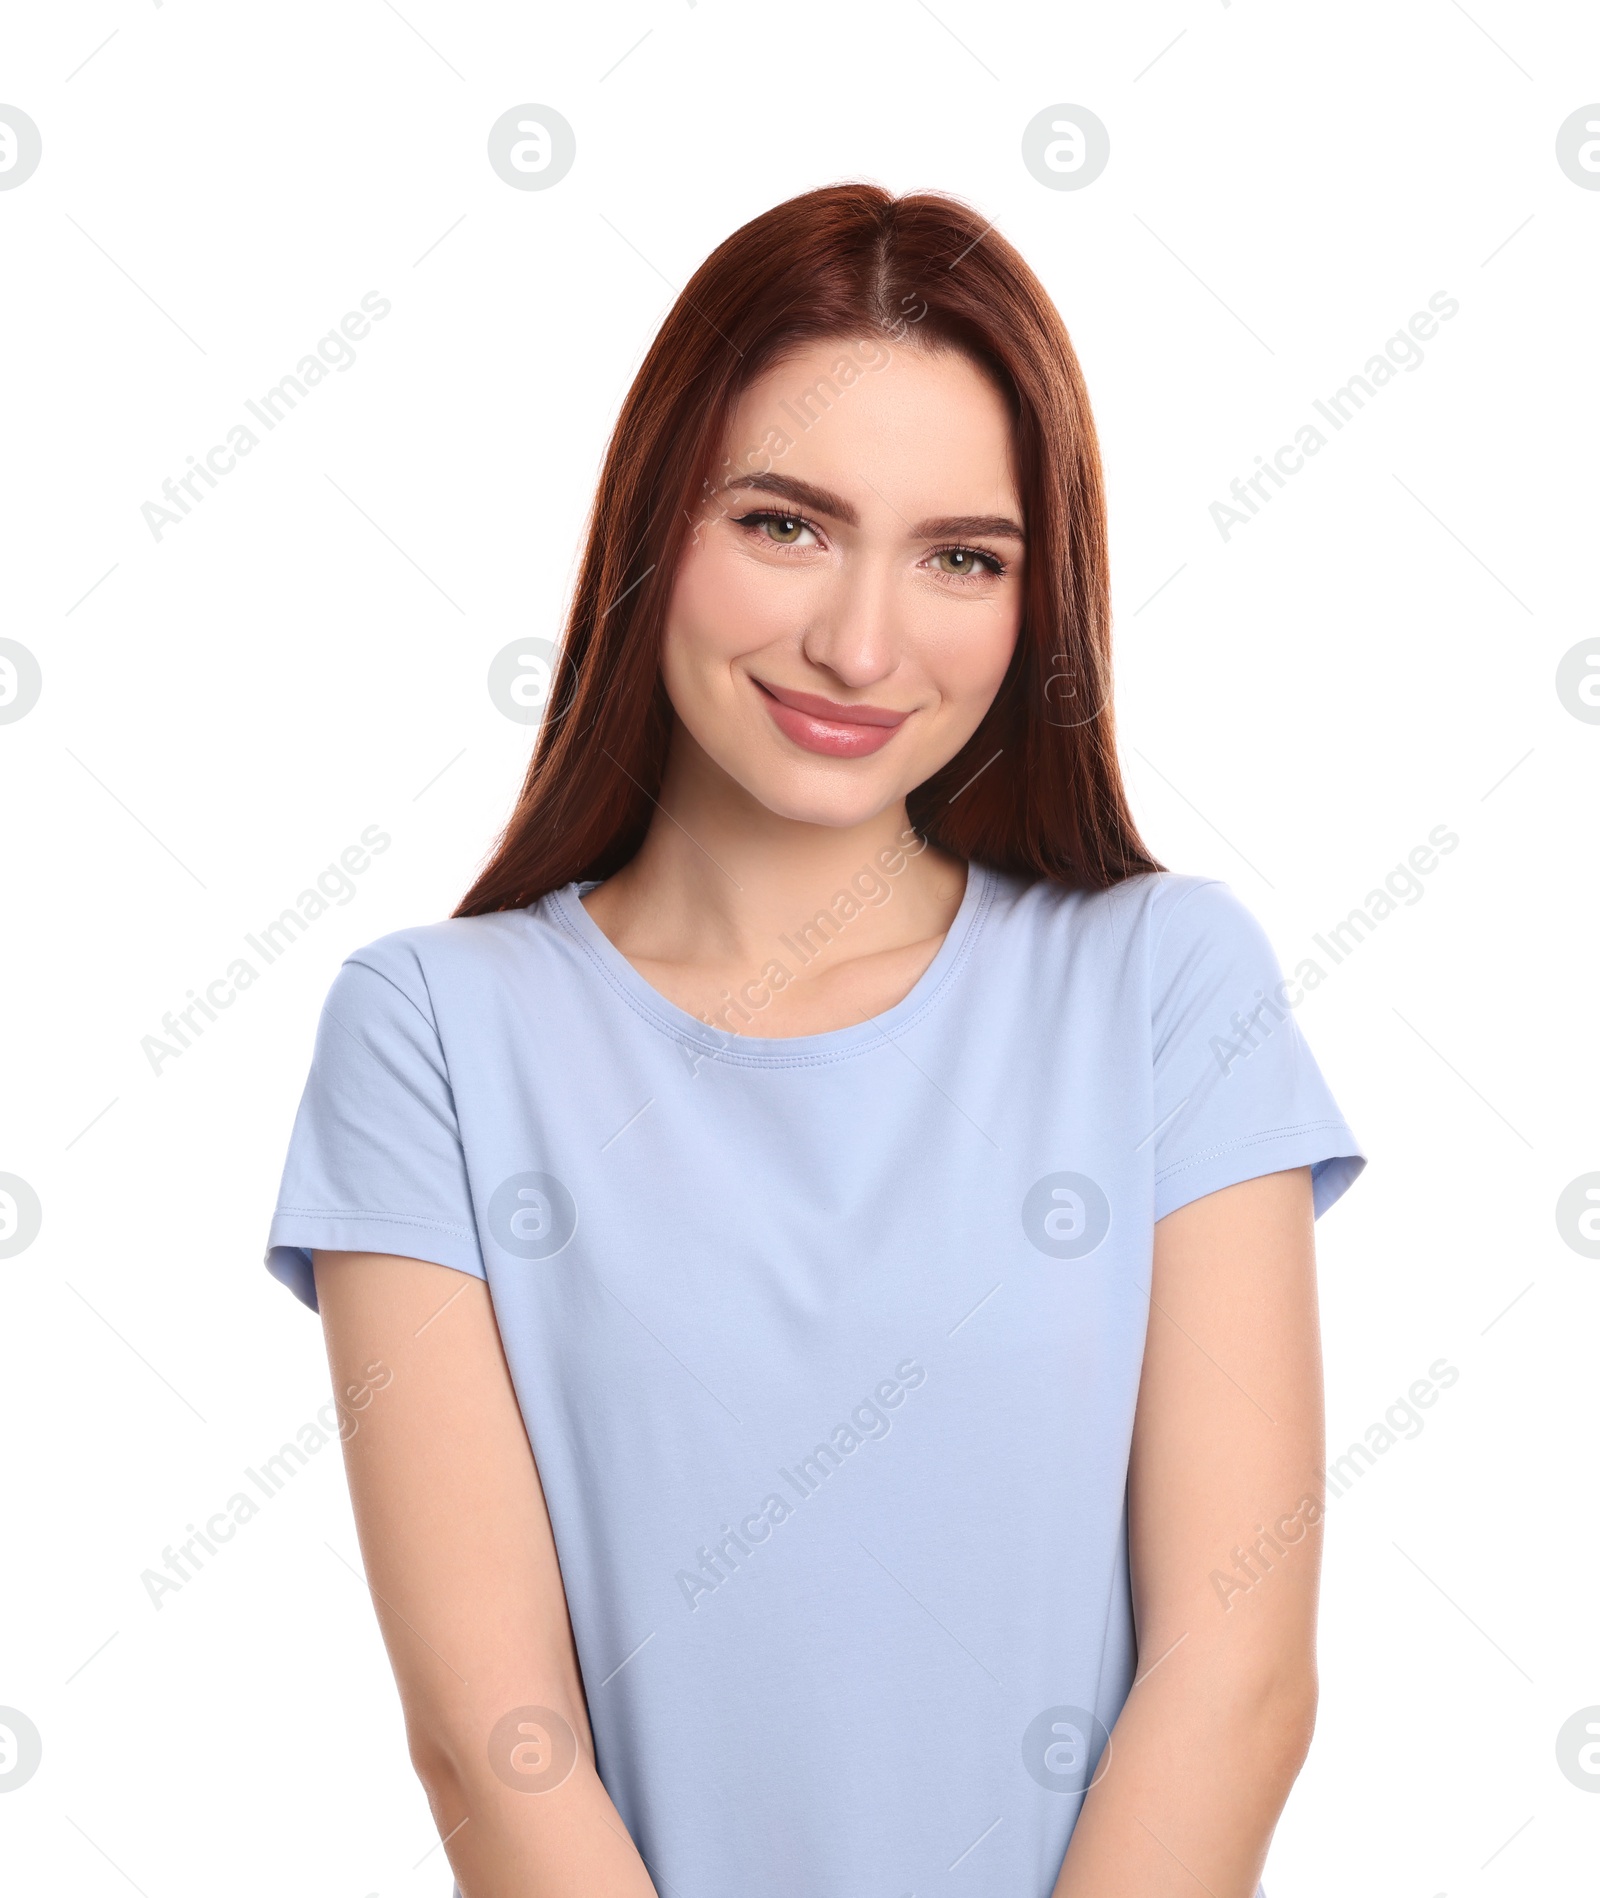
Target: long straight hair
x: 1037, y: 789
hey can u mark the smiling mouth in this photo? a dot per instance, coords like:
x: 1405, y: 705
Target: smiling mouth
x: 828, y: 727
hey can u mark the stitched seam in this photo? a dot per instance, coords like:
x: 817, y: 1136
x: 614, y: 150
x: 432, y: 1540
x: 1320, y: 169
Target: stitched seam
x: 1206, y: 883
x: 382, y: 977
x: 1251, y: 1140
x: 357, y: 1212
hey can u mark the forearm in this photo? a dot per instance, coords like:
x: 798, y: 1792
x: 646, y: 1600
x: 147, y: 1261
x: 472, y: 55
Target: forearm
x: 569, y: 1842
x: 467, y: 1587
x: 1199, y: 1767
x: 1217, y: 1726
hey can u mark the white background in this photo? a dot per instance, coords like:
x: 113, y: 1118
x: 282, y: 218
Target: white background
x: 225, y: 709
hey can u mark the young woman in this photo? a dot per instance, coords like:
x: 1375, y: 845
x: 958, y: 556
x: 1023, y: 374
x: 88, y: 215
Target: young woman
x: 836, y: 1213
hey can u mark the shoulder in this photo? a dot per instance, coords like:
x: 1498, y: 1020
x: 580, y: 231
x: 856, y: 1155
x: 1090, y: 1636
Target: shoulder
x: 1156, y: 905
x: 1210, y: 959
x: 1194, y: 912
x: 426, y: 961
x: 1162, y: 936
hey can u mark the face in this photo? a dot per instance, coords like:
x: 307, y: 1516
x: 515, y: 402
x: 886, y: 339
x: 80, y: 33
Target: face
x: 851, y: 596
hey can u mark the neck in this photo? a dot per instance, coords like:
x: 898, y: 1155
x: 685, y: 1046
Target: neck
x: 721, y: 879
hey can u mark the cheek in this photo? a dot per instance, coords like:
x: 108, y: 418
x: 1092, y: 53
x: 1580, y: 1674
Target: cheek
x: 966, y: 654
x: 724, y: 604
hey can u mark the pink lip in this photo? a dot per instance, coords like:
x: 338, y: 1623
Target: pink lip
x: 829, y: 727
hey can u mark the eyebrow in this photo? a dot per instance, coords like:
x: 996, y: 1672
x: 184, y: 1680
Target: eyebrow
x: 824, y: 501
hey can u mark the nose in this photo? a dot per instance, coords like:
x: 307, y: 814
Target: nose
x: 856, y: 629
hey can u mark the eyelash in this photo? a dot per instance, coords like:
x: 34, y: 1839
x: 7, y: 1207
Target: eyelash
x: 992, y: 563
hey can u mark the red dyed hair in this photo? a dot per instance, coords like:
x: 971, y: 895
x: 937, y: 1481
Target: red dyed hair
x: 847, y: 261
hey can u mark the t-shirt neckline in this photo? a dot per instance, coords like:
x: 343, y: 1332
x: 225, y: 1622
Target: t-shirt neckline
x: 746, y: 1050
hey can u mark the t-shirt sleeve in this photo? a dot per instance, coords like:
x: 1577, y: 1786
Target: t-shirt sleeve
x: 375, y: 1161
x: 1237, y: 1091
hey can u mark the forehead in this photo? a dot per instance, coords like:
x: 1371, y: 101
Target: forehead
x: 860, y: 406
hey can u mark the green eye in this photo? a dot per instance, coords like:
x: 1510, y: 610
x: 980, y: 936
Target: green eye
x: 783, y: 527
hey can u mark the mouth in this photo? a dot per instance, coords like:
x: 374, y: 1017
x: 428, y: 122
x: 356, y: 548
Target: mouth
x: 828, y: 727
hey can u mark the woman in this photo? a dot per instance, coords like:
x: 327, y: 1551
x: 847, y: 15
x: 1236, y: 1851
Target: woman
x: 838, y: 1215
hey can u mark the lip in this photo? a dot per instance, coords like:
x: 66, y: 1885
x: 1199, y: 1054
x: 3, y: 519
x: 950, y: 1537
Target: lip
x: 827, y: 726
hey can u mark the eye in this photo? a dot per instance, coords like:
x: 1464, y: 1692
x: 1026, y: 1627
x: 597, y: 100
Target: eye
x: 962, y: 562
x: 783, y: 530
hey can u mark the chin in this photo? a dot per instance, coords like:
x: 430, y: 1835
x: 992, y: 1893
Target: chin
x: 800, y: 799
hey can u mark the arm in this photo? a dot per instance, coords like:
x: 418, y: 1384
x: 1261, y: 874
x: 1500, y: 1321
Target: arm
x: 1227, y: 1436
x: 462, y: 1566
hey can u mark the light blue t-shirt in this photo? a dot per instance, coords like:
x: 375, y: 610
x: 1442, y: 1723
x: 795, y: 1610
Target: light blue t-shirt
x: 827, y: 1347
